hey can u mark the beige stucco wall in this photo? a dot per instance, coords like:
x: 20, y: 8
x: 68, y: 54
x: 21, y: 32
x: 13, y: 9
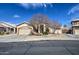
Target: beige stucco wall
x: 24, y: 29
x: 75, y: 23
x: 76, y: 31
x: 58, y: 31
x: 51, y: 30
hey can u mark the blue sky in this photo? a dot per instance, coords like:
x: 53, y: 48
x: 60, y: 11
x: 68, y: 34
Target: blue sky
x: 19, y: 12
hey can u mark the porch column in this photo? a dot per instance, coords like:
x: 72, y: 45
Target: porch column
x: 18, y: 31
x: 44, y: 28
x: 38, y: 28
x: 7, y: 30
x: 14, y: 30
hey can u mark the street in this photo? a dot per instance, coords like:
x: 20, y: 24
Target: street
x: 55, y: 47
x: 39, y: 47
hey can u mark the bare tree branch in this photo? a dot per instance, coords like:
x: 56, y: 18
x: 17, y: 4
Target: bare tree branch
x: 39, y: 19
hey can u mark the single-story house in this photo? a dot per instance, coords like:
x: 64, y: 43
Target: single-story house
x: 26, y: 29
x: 7, y: 27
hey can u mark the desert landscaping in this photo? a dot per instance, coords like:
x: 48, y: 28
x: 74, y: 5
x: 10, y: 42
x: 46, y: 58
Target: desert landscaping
x: 39, y: 29
x: 39, y: 36
x: 18, y: 38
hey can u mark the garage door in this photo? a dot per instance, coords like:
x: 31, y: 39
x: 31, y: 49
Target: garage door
x: 24, y: 31
x: 77, y: 32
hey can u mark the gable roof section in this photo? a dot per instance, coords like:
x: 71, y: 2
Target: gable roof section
x: 23, y: 23
x: 2, y: 25
x: 5, y: 24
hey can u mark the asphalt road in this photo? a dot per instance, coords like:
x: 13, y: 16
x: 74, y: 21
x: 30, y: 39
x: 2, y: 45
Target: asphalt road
x: 49, y: 47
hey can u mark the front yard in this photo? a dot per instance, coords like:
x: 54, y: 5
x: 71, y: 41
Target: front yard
x: 17, y: 38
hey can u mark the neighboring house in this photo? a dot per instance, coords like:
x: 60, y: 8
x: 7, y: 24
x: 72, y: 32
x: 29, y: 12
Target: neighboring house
x: 75, y: 26
x: 65, y: 29
x: 24, y: 29
x: 58, y: 31
x: 7, y: 27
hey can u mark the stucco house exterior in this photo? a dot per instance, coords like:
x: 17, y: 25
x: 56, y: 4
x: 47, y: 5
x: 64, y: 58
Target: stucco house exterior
x: 75, y: 26
x: 42, y: 28
x: 58, y: 31
x: 24, y: 29
x: 65, y: 29
x: 7, y: 28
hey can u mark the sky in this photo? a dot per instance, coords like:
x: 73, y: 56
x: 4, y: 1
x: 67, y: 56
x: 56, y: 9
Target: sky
x: 17, y: 13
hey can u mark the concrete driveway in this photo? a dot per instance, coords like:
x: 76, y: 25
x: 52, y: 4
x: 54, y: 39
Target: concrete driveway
x: 43, y: 47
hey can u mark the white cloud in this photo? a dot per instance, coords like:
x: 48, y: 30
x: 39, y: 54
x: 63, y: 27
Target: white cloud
x: 25, y: 5
x: 16, y: 16
x: 45, y: 5
x: 34, y: 5
x: 72, y: 10
x: 51, y: 5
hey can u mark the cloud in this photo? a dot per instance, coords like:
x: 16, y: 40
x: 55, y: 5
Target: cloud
x: 74, y: 9
x: 16, y: 16
x: 35, y: 5
x: 25, y: 5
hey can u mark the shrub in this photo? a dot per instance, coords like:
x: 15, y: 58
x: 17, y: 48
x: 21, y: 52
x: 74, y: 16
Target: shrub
x: 47, y: 32
x: 7, y: 32
x: 2, y: 33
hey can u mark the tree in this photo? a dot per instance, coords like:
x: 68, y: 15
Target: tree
x: 39, y: 19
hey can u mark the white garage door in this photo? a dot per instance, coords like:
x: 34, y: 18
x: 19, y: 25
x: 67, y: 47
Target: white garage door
x: 24, y: 31
x: 77, y: 32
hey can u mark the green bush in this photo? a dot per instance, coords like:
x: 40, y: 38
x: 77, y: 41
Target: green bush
x: 7, y: 32
x: 47, y: 32
x: 2, y: 33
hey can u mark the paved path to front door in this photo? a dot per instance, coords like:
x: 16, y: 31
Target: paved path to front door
x: 47, y: 47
